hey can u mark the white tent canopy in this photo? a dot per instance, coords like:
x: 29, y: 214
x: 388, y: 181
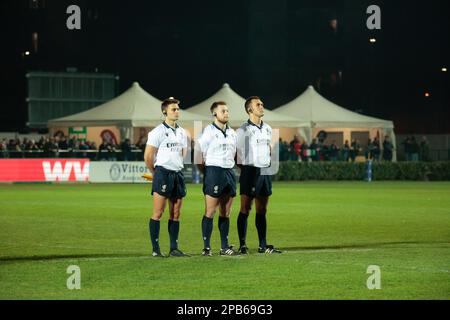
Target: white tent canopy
x: 133, y: 108
x: 238, y: 115
x: 312, y: 107
x: 321, y: 113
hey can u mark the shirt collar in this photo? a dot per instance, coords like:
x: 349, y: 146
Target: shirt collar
x: 253, y: 124
x: 223, y: 131
x: 169, y: 127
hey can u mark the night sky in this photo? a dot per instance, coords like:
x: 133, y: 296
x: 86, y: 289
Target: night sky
x: 273, y: 49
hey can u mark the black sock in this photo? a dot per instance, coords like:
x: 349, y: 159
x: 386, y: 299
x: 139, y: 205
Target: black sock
x: 174, y: 229
x: 242, y: 228
x: 207, y: 227
x: 261, y: 226
x: 224, y: 228
x: 154, y: 234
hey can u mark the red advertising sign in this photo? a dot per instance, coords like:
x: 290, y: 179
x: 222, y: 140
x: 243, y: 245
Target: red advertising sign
x: 28, y: 170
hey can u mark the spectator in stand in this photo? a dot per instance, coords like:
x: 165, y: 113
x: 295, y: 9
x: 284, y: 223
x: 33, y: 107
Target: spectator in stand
x: 333, y: 151
x: 82, y: 146
x: 142, y: 142
x: 4, y: 149
x: 424, y: 149
x: 346, y: 151
x: 304, y: 151
x: 415, y: 149
x: 125, y: 146
x: 33, y: 149
x: 387, y: 149
x: 407, y: 148
x: 14, y: 148
x: 62, y: 144
x: 41, y: 143
x: 286, y: 152
x: 282, y: 150
x: 22, y: 144
x: 295, y: 148
x: 103, y: 150
x: 50, y: 148
x: 355, y: 148
x: 368, y: 153
x: 376, y: 149
x: 324, y: 152
x: 71, y: 142
x: 314, y: 147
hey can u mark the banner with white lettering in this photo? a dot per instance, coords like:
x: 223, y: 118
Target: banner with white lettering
x: 43, y: 170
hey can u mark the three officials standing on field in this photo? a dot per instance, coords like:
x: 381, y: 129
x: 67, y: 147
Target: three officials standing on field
x: 218, y: 149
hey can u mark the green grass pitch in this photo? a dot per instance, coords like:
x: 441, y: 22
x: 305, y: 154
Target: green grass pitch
x: 331, y: 232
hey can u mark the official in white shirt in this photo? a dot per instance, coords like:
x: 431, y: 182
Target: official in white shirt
x: 164, y: 152
x: 254, y: 154
x: 217, y: 150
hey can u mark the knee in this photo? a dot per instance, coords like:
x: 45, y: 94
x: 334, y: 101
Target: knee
x: 261, y: 211
x: 175, y: 215
x: 246, y: 208
x: 157, y: 214
x: 224, y: 213
x: 209, y: 213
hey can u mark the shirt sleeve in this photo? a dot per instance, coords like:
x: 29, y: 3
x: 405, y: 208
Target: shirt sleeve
x: 154, y: 138
x: 184, y: 143
x: 203, y: 141
x: 240, y: 142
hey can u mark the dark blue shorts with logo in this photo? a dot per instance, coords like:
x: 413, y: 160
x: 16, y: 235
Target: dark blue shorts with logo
x: 168, y: 183
x: 219, y: 181
x: 253, y: 184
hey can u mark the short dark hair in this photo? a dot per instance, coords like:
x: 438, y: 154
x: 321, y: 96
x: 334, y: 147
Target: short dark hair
x: 216, y: 104
x: 168, y: 101
x: 248, y: 101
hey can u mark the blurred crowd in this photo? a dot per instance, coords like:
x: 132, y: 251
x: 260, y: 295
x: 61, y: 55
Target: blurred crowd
x: 415, y: 151
x: 295, y: 150
x: 70, y: 147
x: 299, y: 150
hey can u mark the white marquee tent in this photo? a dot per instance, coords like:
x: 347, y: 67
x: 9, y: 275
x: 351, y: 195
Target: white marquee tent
x: 133, y: 108
x: 322, y: 114
x: 238, y: 115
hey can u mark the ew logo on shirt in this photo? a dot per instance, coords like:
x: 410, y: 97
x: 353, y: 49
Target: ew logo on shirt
x: 173, y: 144
x: 263, y: 141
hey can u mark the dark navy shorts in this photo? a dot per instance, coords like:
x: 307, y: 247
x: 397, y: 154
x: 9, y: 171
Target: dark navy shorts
x: 253, y: 184
x: 168, y: 183
x: 219, y: 181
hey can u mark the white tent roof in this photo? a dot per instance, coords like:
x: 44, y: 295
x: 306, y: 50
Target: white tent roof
x: 133, y: 108
x: 238, y: 115
x: 321, y: 113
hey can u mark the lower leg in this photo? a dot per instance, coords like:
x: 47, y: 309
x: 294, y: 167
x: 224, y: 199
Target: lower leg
x: 154, y: 234
x: 224, y: 228
x: 261, y: 227
x: 174, y: 229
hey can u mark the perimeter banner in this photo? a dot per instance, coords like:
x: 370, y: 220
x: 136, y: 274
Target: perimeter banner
x: 117, y: 172
x: 44, y: 170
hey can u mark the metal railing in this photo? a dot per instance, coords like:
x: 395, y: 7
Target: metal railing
x: 138, y: 155
x: 93, y: 155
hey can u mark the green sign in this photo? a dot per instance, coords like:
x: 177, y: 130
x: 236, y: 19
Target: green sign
x: 77, y: 130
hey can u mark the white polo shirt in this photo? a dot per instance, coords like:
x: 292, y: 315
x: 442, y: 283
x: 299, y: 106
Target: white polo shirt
x: 170, y: 143
x: 218, y: 147
x: 253, y: 147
